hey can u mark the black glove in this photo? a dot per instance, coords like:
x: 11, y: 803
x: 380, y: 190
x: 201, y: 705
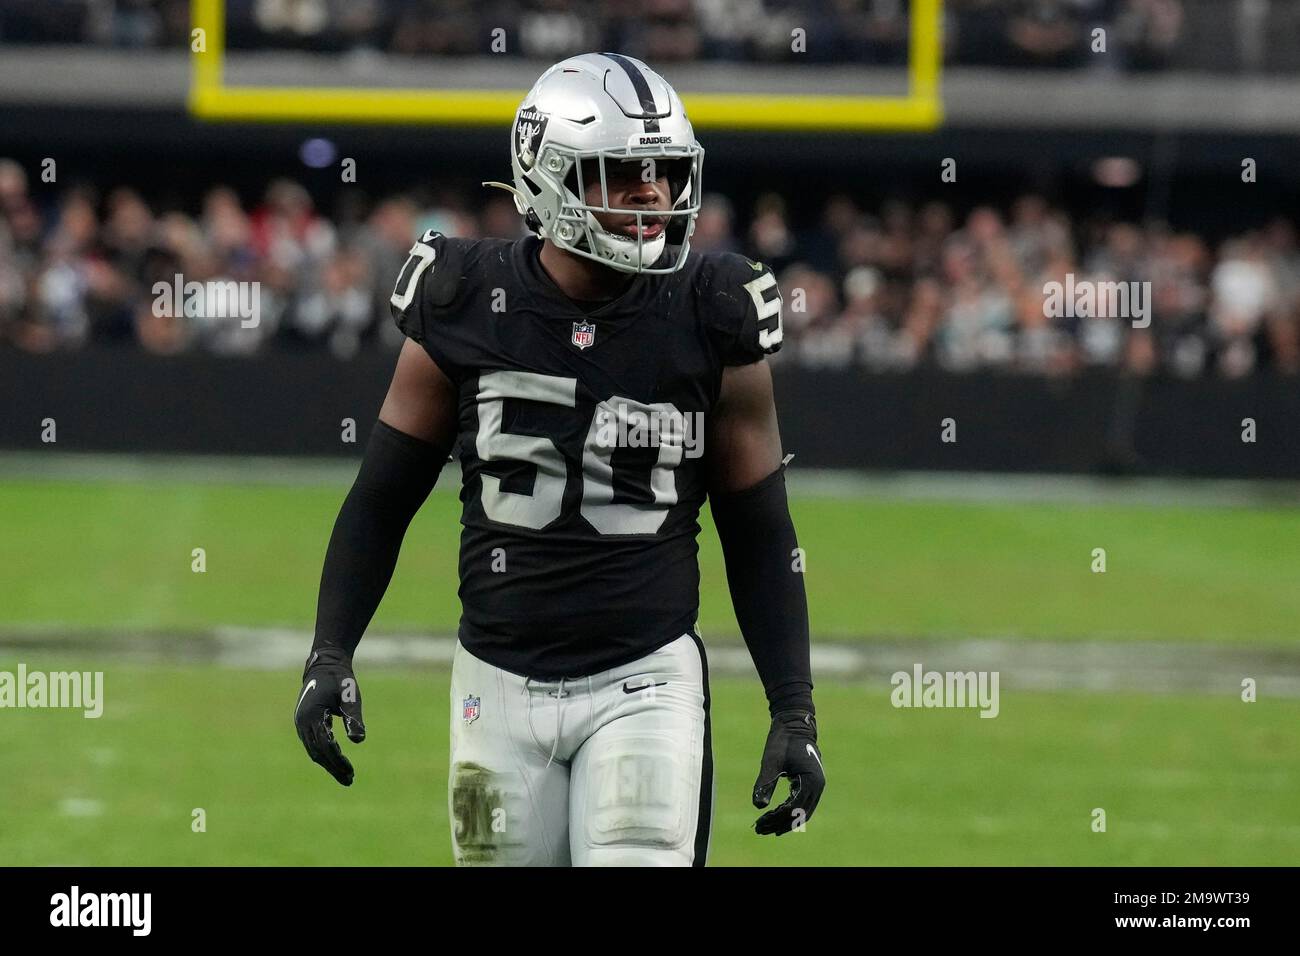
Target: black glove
x: 329, y: 689
x: 791, y: 751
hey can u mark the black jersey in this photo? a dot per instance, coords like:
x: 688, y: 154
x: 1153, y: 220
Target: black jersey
x: 581, y: 437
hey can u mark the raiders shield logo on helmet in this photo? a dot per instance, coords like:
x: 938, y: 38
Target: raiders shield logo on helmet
x: 584, y: 334
x: 528, y: 135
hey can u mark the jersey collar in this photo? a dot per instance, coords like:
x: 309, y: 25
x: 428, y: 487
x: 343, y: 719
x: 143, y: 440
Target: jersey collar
x: 535, y: 280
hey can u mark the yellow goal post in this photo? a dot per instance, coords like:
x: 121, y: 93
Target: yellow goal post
x: 919, y: 109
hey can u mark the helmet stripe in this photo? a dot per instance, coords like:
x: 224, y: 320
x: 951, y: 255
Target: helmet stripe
x: 642, y: 89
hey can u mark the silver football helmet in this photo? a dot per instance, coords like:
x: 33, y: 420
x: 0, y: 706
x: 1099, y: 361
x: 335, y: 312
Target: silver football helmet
x: 582, y: 113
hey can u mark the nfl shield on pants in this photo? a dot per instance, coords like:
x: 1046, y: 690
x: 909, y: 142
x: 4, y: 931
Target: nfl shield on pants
x: 611, y: 769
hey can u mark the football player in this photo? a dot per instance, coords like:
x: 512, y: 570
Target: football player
x: 600, y: 382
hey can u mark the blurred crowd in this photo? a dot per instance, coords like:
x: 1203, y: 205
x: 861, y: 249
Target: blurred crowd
x: 887, y: 289
x: 1141, y: 33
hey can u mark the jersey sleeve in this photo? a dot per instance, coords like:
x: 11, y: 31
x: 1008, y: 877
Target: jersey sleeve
x: 742, y: 304
x: 427, y: 287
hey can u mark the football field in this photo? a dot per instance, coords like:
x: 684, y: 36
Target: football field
x: 1186, y: 772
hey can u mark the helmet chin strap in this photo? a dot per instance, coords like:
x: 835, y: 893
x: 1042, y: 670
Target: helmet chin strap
x: 640, y: 254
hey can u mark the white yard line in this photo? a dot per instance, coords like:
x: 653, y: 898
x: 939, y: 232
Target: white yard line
x: 808, y: 483
x: 1142, y: 667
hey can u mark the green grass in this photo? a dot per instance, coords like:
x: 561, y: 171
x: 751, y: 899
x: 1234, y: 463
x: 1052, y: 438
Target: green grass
x: 1183, y: 780
x: 114, y: 555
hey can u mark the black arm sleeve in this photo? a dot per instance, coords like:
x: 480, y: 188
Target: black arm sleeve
x: 767, y: 590
x: 397, y: 473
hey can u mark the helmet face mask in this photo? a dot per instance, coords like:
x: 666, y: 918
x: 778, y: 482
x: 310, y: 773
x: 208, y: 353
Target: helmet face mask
x: 578, y: 230
x: 583, y: 116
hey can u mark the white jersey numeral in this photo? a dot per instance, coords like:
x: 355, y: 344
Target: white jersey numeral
x: 768, y: 336
x: 538, y: 509
x: 598, y: 505
x: 420, y: 258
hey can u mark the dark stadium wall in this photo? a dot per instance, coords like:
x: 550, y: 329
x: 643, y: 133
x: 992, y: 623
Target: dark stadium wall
x: 122, y: 400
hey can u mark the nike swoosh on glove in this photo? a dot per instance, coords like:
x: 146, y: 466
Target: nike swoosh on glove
x: 791, y: 751
x: 329, y: 690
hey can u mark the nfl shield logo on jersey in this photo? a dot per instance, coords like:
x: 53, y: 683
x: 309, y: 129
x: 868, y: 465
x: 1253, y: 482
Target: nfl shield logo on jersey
x: 470, y: 711
x: 584, y: 334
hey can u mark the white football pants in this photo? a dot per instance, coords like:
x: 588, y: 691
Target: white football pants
x: 614, y: 769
